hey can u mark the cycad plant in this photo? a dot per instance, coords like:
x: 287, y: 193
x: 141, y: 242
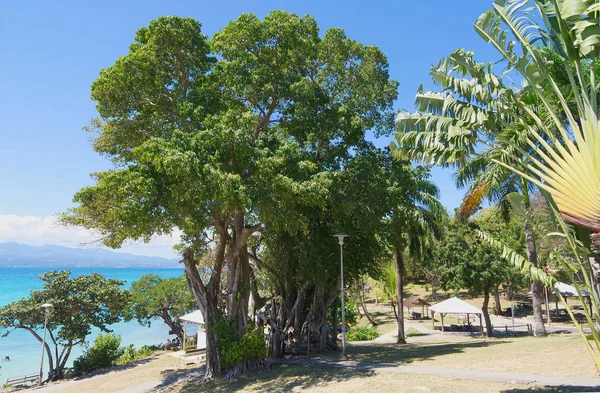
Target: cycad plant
x: 556, y: 140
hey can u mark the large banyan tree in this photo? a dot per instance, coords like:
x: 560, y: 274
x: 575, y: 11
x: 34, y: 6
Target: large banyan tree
x: 223, y: 139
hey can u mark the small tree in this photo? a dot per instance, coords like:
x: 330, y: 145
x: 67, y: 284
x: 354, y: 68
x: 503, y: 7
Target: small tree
x: 471, y: 265
x: 168, y: 299
x: 78, y: 304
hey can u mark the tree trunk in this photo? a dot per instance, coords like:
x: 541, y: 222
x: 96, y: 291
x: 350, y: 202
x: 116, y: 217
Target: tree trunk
x: 175, y: 327
x: 486, y: 315
x: 399, y: 295
x: 334, y: 323
x: 539, y: 329
x: 498, y: 307
x: 394, y: 308
x: 509, y: 293
x: 434, y: 289
x: 213, y: 357
x: 207, y: 301
x: 364, y: 305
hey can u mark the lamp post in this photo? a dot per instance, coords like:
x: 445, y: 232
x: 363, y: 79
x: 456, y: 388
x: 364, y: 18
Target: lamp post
x: 46, y: 307
x: 340, y: 237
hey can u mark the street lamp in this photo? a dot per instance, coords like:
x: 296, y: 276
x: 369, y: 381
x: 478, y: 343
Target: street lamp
x: 340, y: 237
x: 46, y: 307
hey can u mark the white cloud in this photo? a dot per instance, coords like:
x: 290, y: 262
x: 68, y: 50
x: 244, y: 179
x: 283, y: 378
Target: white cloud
x: 37, y: 231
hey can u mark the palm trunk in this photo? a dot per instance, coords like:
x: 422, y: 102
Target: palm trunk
x: 539, y: 330
x: 486, y: 315
x: 399, y: 296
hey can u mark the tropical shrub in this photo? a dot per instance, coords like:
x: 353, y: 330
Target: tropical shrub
x: 250, y: 349
x: 365, y: 333
x: 104, y: 353
x: 131, y: 355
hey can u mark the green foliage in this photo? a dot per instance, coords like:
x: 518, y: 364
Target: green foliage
x: 250, y: 347
x: 365, y: 333
x: 351, y: 311
x: 261, y: 130
x: 78, y: 304
x: 412, y: 332
x: 465, y: 261
x: 104, y: 353
x: 154, y: 297
x: 131, y: 355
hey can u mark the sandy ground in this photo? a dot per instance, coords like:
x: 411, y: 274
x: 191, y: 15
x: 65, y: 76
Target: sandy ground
x: 144, y: 376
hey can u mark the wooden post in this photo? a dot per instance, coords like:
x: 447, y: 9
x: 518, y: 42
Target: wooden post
x: 480, y: 325
x: 184, y: 336
x: 549, y: 322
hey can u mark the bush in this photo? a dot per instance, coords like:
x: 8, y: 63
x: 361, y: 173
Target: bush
x: 412, y: 332
x: 130, y: 354
x: 351, y: 309
x: 251, y: 347
x: 104, y: 353
x: 365, y: 333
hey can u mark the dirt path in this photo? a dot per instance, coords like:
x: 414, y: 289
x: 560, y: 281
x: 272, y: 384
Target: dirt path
x: 161, y: 373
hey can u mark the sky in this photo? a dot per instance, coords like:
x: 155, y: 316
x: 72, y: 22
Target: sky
x: 51, y: 52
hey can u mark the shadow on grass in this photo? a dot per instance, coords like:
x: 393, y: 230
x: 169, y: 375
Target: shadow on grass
x: 174, y: 377
x: 112, y: 369
x: 365, y: 354
x: 278, y: 378
x: 553, y: 389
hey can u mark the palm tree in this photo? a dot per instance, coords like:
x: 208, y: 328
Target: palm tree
x: 561, y: 149
x: 464, y: 127
x: 413, y: 226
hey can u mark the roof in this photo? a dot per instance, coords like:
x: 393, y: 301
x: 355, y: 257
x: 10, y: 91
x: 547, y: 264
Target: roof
x: 415, y: 300
x: 568, y: 290
x: 193, y: 317
x: 455, y: 306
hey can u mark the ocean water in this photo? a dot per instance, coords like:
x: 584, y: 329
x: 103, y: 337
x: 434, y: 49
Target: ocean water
x: 24, y: 350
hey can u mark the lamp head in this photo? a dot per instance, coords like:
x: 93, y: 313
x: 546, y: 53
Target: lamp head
x: 46, y: 305
x: 340, y: 237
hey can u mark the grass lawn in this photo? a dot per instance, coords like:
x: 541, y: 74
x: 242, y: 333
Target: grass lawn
x: 296, y: 378
x: 412, y: 332
x: 563, y: 354
x: 385, y: 320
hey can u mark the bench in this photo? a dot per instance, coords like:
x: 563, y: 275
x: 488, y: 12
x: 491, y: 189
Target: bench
x: 23, y: 379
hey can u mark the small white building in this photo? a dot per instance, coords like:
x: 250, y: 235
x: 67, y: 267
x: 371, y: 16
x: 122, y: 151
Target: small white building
x: 197, y: 319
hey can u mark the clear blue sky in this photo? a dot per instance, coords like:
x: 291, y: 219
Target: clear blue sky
x: 51, y: 52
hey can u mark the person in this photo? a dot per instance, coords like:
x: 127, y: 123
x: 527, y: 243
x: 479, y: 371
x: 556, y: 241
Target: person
x: 7, y: 359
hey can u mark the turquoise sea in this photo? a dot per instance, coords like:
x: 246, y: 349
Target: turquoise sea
x: 24, y: 350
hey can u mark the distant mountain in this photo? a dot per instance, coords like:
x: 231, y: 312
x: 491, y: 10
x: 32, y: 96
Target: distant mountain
x: 22, y: 255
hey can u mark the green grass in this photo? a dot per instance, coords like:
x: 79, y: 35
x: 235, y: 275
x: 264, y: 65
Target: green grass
x: 412, y: 332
